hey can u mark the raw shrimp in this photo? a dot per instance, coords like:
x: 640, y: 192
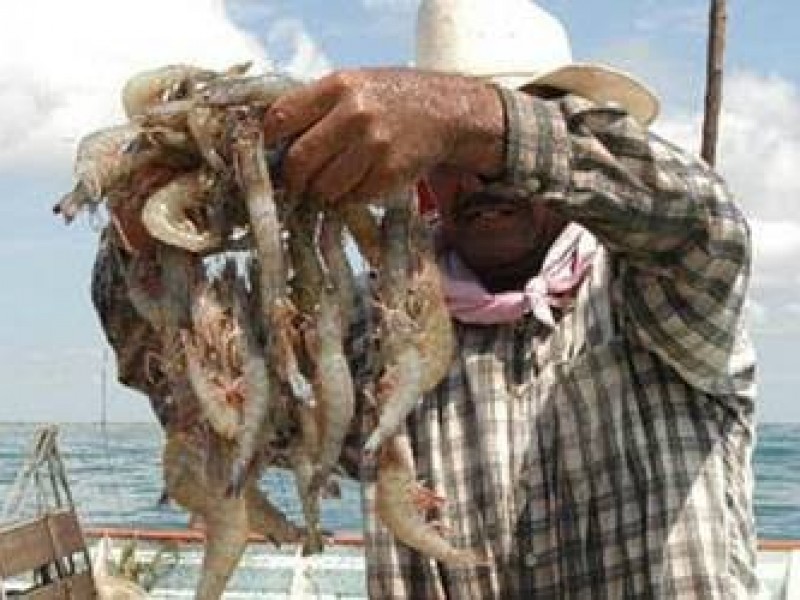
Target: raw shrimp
x: 341, y: 278
x: 208, y: 127
x: 400, y: 502
x: 363, y: 226
x: 253, y: 176
x: 401, y: 383
x: 194, y: 475
x: 426, y: 306
x: 220, y: 400
x: 333, y: 382
x: 171, y: 82
x: 333, y: 388
x: 166, y: 212
x: 301, y: 459
x: 159, y: 286
x: 258, y: 90
x: 284, y: 357
x: 260, y: 385
x: 165, y: 138
x: 103, y: 165
x: 306, y: 289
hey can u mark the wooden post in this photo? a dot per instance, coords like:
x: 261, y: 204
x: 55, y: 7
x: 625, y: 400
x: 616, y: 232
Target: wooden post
x: 717, y: 20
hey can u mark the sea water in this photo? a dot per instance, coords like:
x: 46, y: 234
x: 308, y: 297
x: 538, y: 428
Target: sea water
x: 115, y: 477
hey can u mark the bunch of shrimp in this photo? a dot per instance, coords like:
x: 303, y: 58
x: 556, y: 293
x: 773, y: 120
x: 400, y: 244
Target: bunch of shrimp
x: 257, y: 349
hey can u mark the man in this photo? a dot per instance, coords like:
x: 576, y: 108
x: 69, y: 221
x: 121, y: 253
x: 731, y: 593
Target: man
x: 593, y: 435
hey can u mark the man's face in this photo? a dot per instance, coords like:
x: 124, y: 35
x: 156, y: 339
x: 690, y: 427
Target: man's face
x: 502, y: 237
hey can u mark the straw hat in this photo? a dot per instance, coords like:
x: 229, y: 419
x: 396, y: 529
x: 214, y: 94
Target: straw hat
x: 517, y: 44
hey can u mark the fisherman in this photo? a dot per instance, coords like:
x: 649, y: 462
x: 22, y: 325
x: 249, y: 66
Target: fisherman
x: 594, y: 433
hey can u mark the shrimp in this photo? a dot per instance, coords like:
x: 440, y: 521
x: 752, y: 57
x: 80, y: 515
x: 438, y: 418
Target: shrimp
x: 340, y: 273
x: 191, y: 478
x: 174, y: 142
x: 401, y: 384
x: 171, y: 82
x: 284, y: 356
x: 254, y: 178
x: 171, y: 115
x: 400, y: 502
x: 101, y: 162
x: 74, y: 201
x: 102, y: 165
x: 260, y: 384
x: 266, y: 519
x: 253, y: 175
x: 426, y: 306
x: 307, y: 280
x: 260, y: 90
x: 419, y: 329
x: 363, y: 226
x: 166, y: 213
x: 159, y: 287
x: 208, y: 127
x: 194, y: 474
x: 399, y: 387
x: 219, y: 400
x: 333, y: 298
x: 333, y: 388
x: 306, y: 288
x: 301, y: 459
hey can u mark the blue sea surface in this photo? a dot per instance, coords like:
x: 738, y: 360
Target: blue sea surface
x: 114, y: 473
x: 115, y: 477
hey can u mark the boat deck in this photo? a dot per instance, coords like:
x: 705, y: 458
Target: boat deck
x: 270, y: 573
x: 339, y: 573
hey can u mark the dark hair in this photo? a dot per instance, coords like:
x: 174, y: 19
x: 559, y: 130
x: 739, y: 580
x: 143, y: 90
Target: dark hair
x: 545, y: 92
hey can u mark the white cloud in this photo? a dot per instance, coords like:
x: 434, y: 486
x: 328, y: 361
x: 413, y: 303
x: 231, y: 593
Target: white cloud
x: 759, y: 143
x: 776, y: 254
x: 305, y: 58
x: 62, y: 64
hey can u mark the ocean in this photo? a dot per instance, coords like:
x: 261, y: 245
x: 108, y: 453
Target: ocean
x: 115, y: 478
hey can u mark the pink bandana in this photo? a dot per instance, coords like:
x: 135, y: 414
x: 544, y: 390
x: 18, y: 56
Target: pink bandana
x: 564, y: 267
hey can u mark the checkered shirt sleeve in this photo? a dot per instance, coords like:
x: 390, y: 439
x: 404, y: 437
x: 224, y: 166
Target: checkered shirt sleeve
x: 682, y: 242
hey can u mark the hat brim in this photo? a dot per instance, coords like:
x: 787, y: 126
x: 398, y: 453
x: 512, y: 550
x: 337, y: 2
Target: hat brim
x: 600, y: 83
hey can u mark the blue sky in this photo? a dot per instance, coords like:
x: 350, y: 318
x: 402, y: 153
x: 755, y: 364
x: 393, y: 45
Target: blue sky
x: 60, y: 82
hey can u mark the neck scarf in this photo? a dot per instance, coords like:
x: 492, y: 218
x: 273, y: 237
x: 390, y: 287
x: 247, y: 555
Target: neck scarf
x: 564, y: 267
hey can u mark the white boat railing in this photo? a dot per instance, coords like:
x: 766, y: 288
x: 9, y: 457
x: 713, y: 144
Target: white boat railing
x: 779, y: 569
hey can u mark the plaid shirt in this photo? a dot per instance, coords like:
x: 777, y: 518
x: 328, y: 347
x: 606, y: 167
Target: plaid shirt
x: 608, y: 457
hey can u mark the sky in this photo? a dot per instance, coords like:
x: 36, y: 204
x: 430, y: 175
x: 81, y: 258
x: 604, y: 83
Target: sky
x: 62, y: 65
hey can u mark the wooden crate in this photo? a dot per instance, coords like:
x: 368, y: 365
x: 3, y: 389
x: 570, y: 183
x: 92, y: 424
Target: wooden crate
x: 53, y: 546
